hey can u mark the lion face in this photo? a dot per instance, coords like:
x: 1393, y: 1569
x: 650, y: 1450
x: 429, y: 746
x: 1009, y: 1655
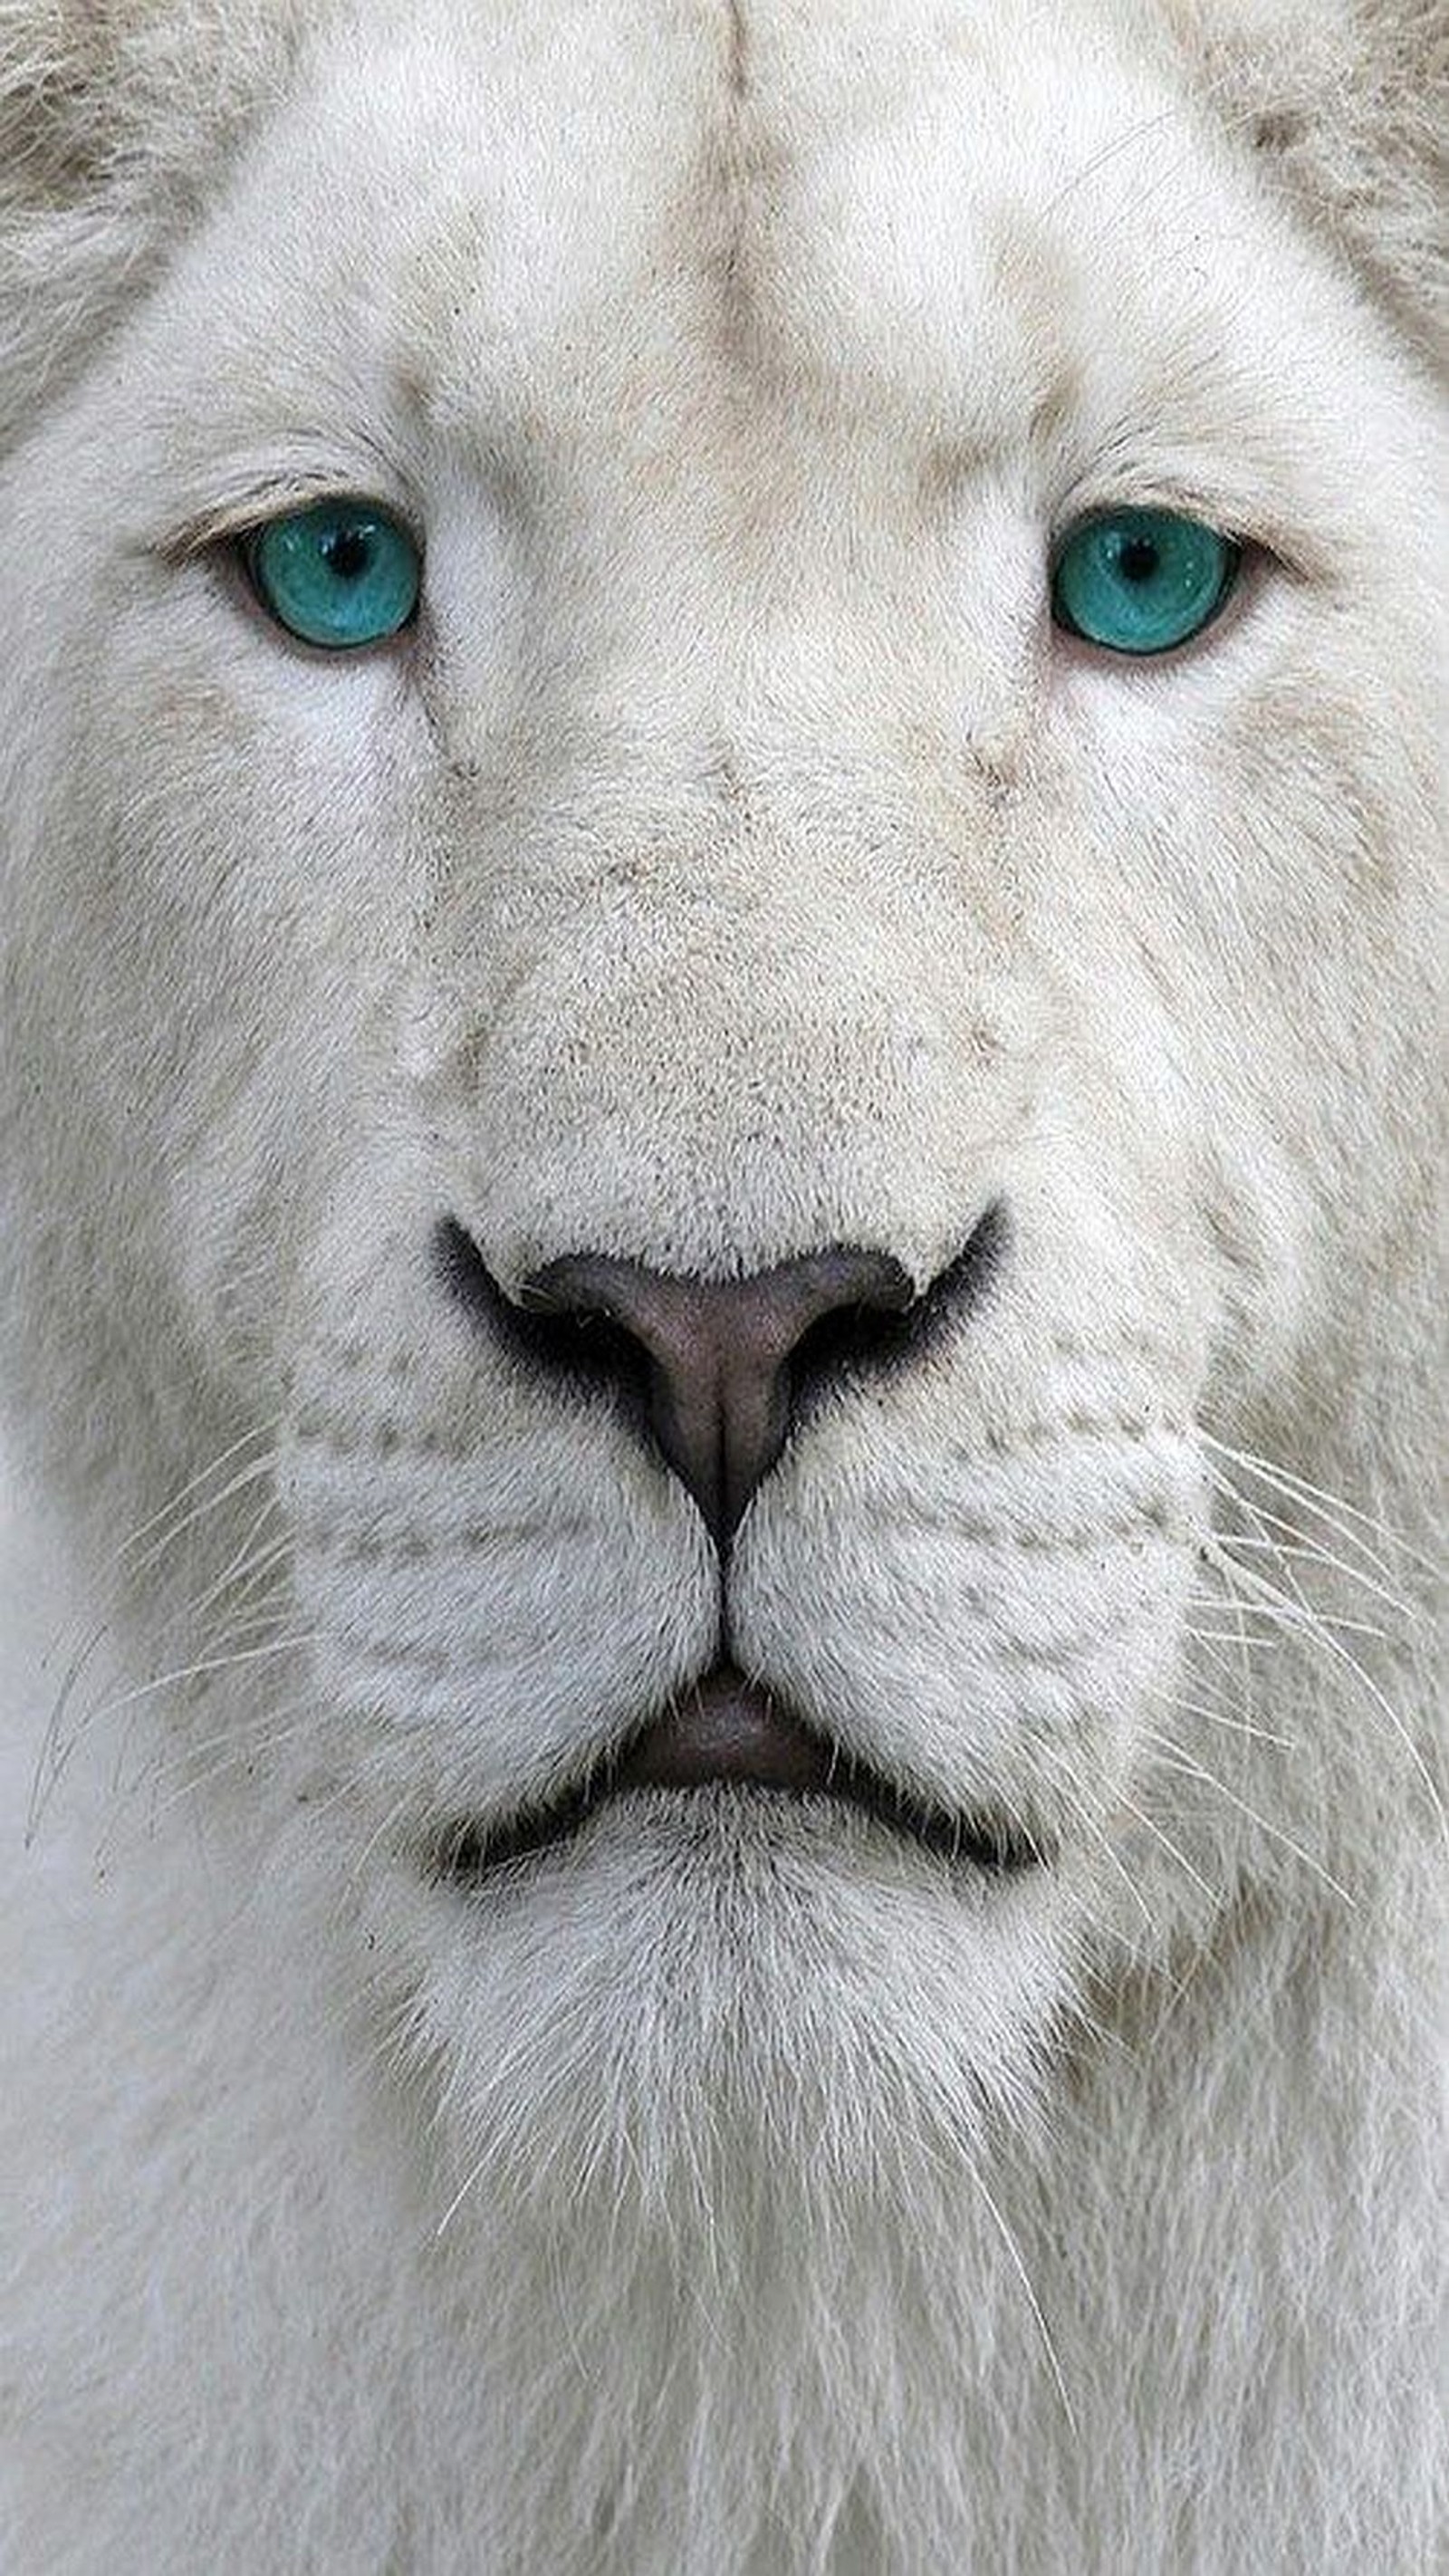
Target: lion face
x: 733, y: 870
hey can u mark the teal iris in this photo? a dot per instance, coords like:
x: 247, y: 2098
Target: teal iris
x: 1140, y: 581
x: 340, y: 574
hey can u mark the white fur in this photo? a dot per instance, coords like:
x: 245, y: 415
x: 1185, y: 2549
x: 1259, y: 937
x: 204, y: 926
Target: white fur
x: 735, y: 861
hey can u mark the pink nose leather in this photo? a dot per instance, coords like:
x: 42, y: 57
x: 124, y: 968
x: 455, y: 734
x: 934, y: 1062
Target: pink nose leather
x: 717, y: 1352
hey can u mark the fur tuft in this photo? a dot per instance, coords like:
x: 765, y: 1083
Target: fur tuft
x: 116, y: 121
x: 1346, y: 104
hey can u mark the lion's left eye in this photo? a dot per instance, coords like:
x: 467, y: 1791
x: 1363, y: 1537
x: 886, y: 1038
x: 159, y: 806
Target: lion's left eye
x: 340, y: 574
x: 1140, y: 581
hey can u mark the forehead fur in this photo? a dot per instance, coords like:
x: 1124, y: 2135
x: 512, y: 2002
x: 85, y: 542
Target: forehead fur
x: 117, y: 116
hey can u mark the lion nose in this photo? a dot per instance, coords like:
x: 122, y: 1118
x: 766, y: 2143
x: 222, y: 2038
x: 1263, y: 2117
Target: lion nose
x: 717, y: 1357
x: 716, y: 1373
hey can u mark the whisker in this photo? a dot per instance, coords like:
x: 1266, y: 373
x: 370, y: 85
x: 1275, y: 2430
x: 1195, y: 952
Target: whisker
x: 1320, y: 1633
x: 1019, y: 2267
x: 465, y: 2190
x: 1305, y: 1554
x: 1265, y: 1521
x: 380, y: 1831
x: 247, y: 1560
x: 1169, y: 1846
x: 1282, y: 1612
x: 232, y: 1752
x: 1324, y: 1505
x: 142, y: 1549
x: 1211, y: 1716
x: 1229, y: 1637
x: 1056, y: 1758
x: 167, y: 1539
x: 53, y: 1757
x: 254, y: 1622
x: 244, y: 1731
x: 205, y: 1664
x: 1174, y: 1759
x: 259, y: 1431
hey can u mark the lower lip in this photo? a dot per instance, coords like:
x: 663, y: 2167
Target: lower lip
x: 470, y: 1858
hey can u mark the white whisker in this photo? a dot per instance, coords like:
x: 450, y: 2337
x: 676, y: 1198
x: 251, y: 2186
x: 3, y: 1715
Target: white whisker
x: 261, y: 1466
x: 1176, y: 1760
x: 1184, y: 1864
x: 1275, y: 1607
x: 1321, y: 1634
x: 205, y: 1664
x: 1014, y: 2256
x: 1326, y: 1506
x: 1057, y: 1761
x: 1303, y: 1554
x: 243, y: 1566
x: 1211, y: 1716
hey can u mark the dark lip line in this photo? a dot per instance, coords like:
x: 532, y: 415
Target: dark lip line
x: 468, y: 1856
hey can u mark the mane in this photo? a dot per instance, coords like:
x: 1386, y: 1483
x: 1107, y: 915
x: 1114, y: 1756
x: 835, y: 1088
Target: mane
x: 1346, y: 106
x: 116, y: 119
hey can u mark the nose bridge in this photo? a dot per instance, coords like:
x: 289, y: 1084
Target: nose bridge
x: 746, y: 609
x: 727, y: 986
x: 721, y: 1058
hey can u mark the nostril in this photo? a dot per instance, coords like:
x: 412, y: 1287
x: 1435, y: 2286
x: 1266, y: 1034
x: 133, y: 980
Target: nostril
x: 581, y: 1344
x: 874, y: 1340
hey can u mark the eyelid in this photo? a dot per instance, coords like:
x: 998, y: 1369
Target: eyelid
x: 1069, y: 528
x: 249, y: 532
x: 230, y: 523
x: 1248, y: 525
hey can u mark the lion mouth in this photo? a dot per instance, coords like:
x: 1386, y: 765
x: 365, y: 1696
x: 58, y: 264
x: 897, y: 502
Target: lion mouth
x: 727, y: 1731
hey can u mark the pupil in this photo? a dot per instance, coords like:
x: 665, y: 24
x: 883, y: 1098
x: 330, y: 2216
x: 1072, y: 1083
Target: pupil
x: 347, y: 553
x: 1137, y: 559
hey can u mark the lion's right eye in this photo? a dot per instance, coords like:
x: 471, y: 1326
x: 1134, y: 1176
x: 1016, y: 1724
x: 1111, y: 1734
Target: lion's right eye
x: 340, y: 574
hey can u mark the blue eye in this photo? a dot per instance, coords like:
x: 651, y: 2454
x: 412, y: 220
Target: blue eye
x: 340, y: 574
x: 1140, y: 581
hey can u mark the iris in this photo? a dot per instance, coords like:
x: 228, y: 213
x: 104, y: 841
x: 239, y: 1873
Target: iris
x: 1140, y: 581
x: 340, y: 574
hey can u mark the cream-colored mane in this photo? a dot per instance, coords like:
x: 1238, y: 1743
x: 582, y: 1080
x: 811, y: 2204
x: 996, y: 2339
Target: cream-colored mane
x: 733, y: 862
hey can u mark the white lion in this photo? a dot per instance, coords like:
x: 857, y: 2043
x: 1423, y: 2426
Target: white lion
x: 722, y: 1041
